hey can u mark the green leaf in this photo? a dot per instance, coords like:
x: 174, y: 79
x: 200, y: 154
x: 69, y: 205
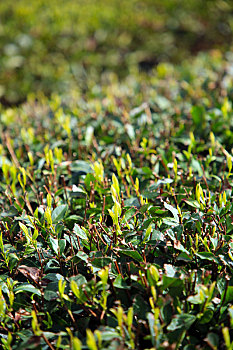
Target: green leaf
x: 13, y: 260
x: 78, y: 192
x: 54, y: 244
x: 207, y: 256
x: 185, y: 257
x: 197, y: 113
x: 10, y: 213
x: 128, y: 214
x: 51, y: 291
x: 120, y: 283
x: 140, y: 307
x: 82, y: 256
x: 81, y: 166
x: 156, y: 211
x: 77, y: 345
x: 151, y: 321
x: 26, y: 287
x: 229, y: 295
x: 132, y: 253
x: 183, y: 321
x: 196, y: 299
x: 107, y: 334
x: 59, y: 213
x: 169, y: 282
x: 79, y: 232
x: 101, y: 262
x: 173, y: 210
x: 207, y: 317
x: 193, y: 203
x: 62, y: 245
x: 213, y: 339
x: 79, y: 280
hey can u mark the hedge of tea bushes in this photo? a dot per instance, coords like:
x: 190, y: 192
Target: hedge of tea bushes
x: 116, y: 213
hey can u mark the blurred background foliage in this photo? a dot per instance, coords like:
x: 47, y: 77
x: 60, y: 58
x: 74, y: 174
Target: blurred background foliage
x: 56, y: 45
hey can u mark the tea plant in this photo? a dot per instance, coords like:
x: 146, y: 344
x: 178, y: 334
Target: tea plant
x: 116, y: 214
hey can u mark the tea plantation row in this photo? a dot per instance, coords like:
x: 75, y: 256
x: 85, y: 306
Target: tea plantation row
x: 116, y: 213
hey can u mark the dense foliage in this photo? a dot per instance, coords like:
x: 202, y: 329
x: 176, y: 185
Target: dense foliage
x: 54, y: 45
x: 116, y: 213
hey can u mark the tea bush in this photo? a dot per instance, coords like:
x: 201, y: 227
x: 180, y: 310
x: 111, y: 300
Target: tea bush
x: 116, y: 213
